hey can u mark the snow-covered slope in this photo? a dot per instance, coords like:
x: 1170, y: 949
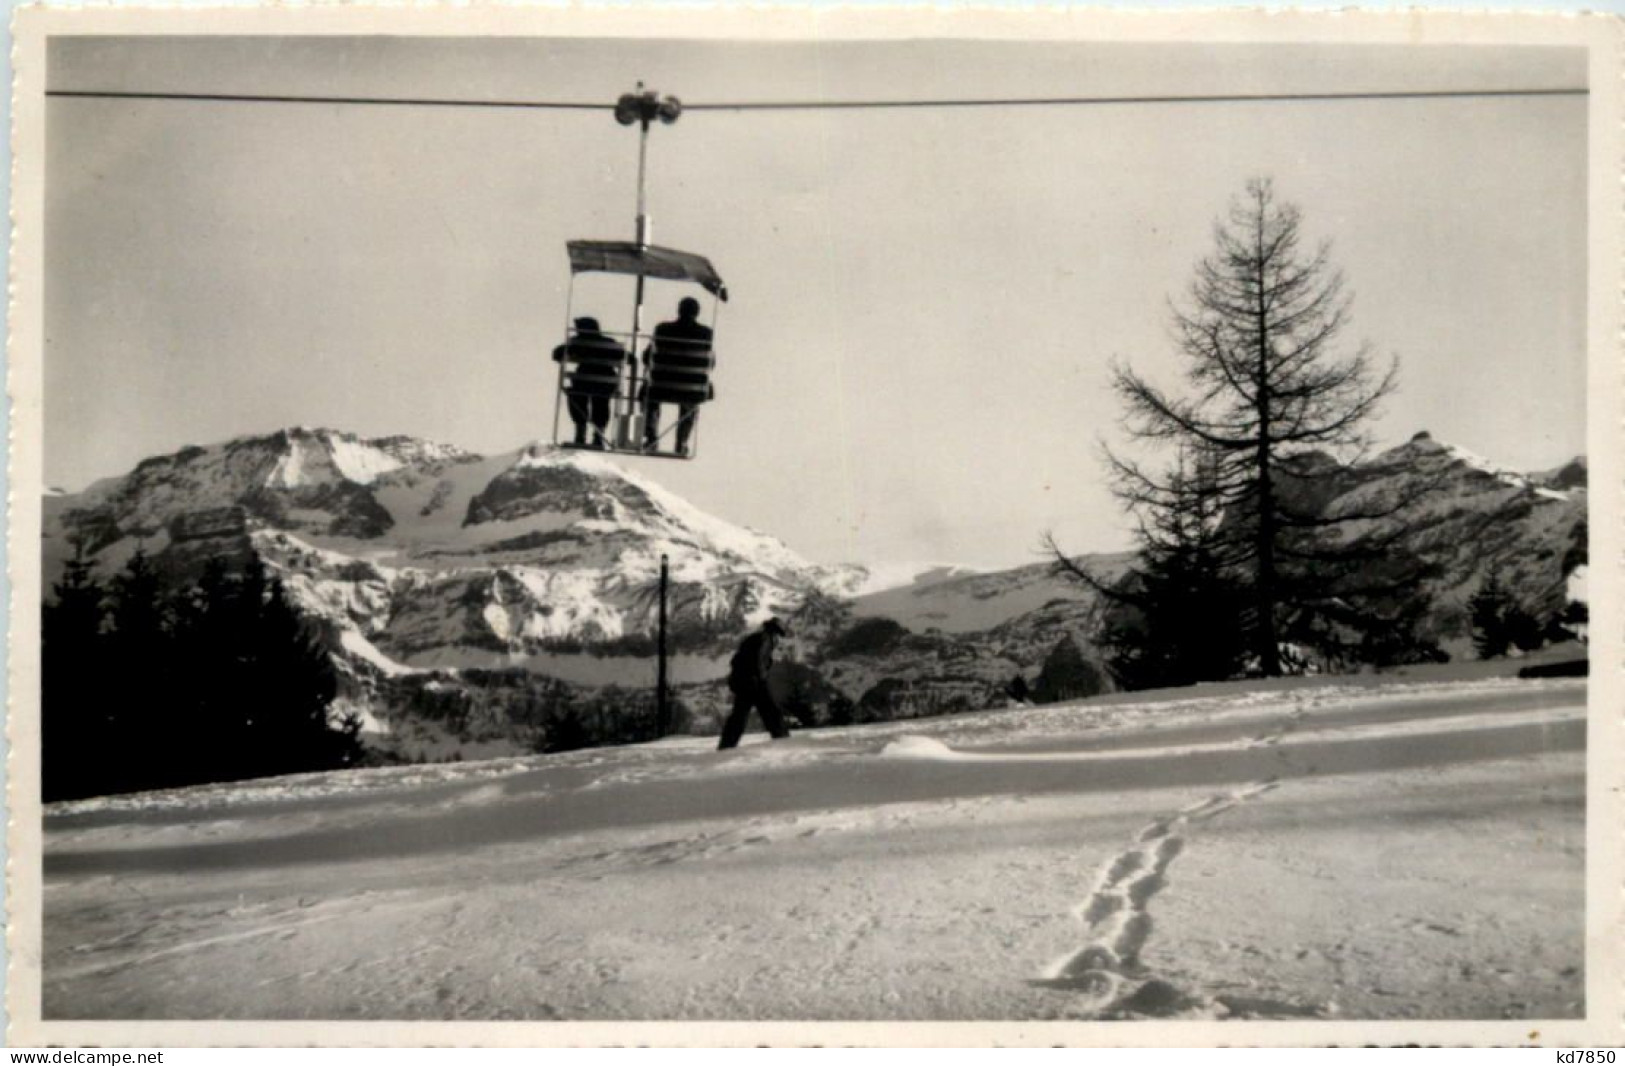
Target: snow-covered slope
x: 1287, y: 851
x: 969, y: 601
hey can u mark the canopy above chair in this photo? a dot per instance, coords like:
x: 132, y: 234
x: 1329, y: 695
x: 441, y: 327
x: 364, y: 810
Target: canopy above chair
x: 651, y: 261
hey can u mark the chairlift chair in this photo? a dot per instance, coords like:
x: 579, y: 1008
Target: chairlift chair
x: 626, y: 367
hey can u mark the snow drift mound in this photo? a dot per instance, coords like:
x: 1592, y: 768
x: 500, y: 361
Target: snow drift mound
x: 917, y: 747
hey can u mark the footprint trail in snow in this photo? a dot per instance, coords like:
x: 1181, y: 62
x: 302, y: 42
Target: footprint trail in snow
x: 1107, y: 971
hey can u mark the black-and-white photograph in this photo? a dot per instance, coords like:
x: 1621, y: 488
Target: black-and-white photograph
x: 580, y: 528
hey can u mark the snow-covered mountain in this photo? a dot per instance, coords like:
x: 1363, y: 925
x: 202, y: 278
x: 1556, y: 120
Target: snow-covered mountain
x: 1469, y: 518
x: 420, y: 556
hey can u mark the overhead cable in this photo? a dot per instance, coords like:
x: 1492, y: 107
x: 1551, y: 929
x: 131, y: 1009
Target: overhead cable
x: 827, y: 105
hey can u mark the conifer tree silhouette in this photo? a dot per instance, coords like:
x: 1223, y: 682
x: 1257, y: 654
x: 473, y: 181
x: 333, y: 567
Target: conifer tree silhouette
x: 73, y: 709
x: 1267, y: 385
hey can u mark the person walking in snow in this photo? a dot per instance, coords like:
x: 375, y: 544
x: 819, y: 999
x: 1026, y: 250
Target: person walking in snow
x: 747, y: 680
x: 594, y: 367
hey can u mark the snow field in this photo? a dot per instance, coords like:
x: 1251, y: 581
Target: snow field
x: 1287, y: 862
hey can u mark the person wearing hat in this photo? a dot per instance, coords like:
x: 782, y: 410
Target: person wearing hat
x: 747, y: 680
x: 679, y: 361
x: 594, y: 368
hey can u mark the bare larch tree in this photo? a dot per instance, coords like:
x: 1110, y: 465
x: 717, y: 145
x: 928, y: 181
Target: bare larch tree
x: 1267, y: 378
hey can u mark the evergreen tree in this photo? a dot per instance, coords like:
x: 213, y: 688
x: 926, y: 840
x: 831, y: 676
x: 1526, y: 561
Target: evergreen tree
x: 289, y: 686
x: 1500, y: 623
x: 78, y: 609
x: 1575, y: 621
x: 1068, y: 674
x: 223, y: 680
x: 140, y: 734
x: 1523, y: 629
x: 1398, y: 637
x: 73, y: 703
x: 1267, y: 384
x: 205, y: 635
x: 1488, y: 610
x: 818, y: 618
x: 1173, y: 619
x: 140, y: 615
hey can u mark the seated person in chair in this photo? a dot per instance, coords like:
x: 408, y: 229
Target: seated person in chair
x: 679, y: 363
x: 594, y: 370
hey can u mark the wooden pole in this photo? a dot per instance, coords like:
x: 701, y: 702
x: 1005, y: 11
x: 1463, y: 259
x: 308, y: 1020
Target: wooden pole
x: 662, y: 704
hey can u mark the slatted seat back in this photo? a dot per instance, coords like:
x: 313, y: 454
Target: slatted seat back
x: 595, y: 366
x: 680, y: 366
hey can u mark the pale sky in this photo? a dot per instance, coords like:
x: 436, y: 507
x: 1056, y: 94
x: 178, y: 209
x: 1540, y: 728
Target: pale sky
x: 925, y: 303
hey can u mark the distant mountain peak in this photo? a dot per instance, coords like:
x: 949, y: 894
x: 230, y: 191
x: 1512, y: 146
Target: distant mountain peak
x: 316, y: 455
x: 1424, y: 451
x: 1574, y: 474
x: 544, y: 455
